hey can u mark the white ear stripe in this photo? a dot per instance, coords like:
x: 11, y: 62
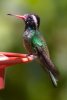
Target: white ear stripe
x: 35, y: 20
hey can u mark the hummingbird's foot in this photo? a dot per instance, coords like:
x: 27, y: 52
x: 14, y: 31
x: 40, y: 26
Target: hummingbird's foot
x: 30, y: 55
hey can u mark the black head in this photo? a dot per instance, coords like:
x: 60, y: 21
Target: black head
x: 31, y: 20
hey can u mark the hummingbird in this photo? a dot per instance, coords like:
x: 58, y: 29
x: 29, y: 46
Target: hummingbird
x: 35, y: 44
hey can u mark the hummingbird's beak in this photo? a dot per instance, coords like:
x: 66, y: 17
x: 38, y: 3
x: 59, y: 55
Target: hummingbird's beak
x: 18, y: 16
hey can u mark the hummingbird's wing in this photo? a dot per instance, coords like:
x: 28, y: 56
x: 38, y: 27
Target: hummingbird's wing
x: 43, y: 54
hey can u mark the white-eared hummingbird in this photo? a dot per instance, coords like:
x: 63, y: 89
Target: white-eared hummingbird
x: 36, y: 44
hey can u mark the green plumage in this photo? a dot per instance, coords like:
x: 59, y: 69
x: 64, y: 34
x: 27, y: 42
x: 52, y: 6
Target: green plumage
x: 33, y: 39
x: 35, y: 44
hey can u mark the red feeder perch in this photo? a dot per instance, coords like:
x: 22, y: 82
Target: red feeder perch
x: 7, y: 59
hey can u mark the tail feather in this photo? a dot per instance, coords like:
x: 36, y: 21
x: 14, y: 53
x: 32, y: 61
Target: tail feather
x: 48, y: 65
x: 53, y: 78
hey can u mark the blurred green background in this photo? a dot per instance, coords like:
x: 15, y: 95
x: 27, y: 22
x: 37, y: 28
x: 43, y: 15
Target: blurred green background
x: 29, y: 81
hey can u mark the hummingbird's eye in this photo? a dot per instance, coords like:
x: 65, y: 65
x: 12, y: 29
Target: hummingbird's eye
x: 29, y: 18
